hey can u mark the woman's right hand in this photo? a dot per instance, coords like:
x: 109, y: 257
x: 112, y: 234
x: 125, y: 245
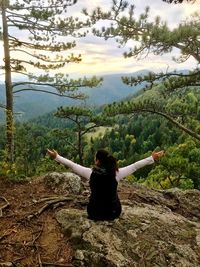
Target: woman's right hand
x: 52, y: 153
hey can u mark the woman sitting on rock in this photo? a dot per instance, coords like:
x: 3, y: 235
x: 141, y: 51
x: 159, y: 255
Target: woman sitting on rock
x: 104, y: 203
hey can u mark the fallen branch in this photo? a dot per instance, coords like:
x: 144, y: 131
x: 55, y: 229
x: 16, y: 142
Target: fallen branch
x: 39, y: 260
x: 4, y: 206
x: 37, y: 236
x: 49, y: 199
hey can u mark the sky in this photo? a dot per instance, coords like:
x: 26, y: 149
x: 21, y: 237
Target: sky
x: 100, y: 57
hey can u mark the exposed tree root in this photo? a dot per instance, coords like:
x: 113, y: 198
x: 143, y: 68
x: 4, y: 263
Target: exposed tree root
x: 49, y: 203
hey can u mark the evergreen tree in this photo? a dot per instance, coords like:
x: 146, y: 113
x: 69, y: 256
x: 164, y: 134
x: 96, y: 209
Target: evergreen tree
x: 33, y: 33
x: 176, y: 109
x: 179, y: 169
x: 157, y: 38
x: 85, y: 120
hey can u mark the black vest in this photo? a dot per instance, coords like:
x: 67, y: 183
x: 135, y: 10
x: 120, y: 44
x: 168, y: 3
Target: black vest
x: 104, y: 202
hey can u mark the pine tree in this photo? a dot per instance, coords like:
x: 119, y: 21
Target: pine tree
x: 155, y: 38
x: 85, y: 121
x: 34, y: 35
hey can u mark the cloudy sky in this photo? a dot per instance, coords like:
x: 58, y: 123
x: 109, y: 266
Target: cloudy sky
x: 104, y: 57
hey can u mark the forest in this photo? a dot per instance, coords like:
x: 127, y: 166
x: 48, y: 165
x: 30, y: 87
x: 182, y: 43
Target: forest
x: 163, y: 114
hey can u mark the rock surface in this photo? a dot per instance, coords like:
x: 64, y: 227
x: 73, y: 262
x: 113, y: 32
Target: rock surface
x: 66, y: 183
x: 155, y: 229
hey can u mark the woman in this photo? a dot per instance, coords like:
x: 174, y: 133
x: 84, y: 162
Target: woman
x: 104, y: 203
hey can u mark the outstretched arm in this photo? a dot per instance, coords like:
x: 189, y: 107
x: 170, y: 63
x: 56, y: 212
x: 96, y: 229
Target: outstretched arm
x: 125, y: 171
x: 76, y: 168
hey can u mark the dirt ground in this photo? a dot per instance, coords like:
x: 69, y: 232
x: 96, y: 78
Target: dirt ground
x: 29, y: 233
x: 30, y: 236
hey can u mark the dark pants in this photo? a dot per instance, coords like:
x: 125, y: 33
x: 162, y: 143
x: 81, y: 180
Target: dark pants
x: 104, y: 211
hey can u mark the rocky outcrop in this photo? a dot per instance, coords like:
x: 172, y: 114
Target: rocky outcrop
x: 155, y: 229
x: 66, y: 183
x: 184, y: 202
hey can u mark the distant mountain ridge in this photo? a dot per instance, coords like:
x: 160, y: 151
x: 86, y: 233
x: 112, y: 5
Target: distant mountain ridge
x: 30, y: 104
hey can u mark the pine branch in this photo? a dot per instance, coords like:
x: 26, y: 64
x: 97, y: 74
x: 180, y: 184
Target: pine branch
x: 78, y: 96
x: 154, y: 37
x: 20, y: 72
x: 126, y: 109
x: 171, y: 81
x: 39, y: 7
x: 179, y: 125
x: 40, y: 57
x: 89, y: 128
x: 48, y: 47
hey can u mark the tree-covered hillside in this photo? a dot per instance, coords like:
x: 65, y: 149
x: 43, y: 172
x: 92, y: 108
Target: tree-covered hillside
x: 129, y: 138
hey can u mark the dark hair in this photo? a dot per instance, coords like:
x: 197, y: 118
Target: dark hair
x: 107, y: 161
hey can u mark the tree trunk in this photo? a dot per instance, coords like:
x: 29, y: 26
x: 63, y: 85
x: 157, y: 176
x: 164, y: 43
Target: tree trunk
x: 8, y: 86
x: 80, y: 149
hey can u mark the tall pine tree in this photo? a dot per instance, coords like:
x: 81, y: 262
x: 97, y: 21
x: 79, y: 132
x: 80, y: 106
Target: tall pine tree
x: 35, y: 46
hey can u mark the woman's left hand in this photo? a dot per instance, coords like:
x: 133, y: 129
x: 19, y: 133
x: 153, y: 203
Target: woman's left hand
x: 157, y: 155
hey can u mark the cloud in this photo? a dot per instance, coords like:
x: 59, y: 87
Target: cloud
x: 106, y: 56
x: 101, y: 57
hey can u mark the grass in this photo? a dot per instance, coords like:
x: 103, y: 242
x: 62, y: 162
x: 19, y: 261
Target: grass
x: 97, y: 132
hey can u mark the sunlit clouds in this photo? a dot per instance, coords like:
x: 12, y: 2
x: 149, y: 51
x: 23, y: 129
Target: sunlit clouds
x: 105, y: 57
x: 100, y: 57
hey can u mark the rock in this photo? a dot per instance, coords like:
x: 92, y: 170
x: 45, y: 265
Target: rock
x: 156, y: 228
x: 144, y: 235
x: 184, y: 202
x: 65, y: 183
x: 187, y: 202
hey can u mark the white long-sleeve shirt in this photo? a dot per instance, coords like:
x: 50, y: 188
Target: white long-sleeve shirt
x: 121, y: 173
